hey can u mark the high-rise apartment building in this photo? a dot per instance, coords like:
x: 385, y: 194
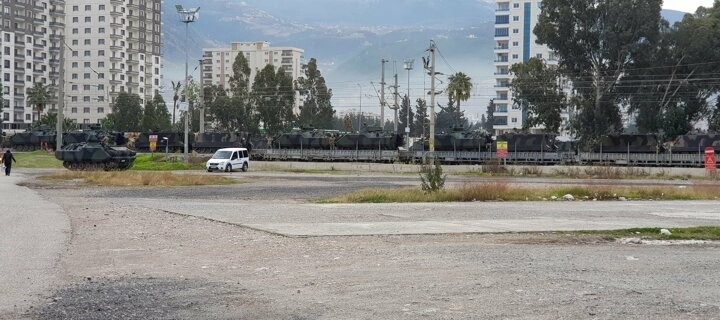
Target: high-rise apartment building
x: 111, y: 46
x: 31, y: 37
x: 514, y: 43
x: 217, y: 62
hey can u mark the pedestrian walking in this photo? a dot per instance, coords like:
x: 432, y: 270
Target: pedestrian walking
x: 7, y: 160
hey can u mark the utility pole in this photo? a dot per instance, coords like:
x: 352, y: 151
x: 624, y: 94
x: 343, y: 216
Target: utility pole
x: 187, y: 16
x: 396, y: 106
x: 382, y: 94
x: 201, y: 102
x: 432, y: 97
x: 408, y: 66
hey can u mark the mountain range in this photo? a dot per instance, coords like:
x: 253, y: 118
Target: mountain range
x: 349, y: 38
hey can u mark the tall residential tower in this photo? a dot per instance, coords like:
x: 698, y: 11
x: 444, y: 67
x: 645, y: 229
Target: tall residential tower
x: 514, y: 43
x: 31, y: 41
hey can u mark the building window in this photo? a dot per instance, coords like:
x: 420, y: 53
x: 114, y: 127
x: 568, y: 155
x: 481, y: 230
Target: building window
x: 88, y: 7
x: 75, y: 30
x: 75, y: 8
x: 539, y: 55
x: 87, y: 42
x: 101, y: 7
x: 87, y: 30
x: 101, y: 53
x: 101, y: 30
x: 86, y: 76
x: 516, y: 31
x: 516, y: 18
x: 74, y: 76
x: 88, y: 19
x: 74, y: 53
x: 86, y: 109
x: 101, y: 18
x: 74, y: 87
x: 100, y: 109
x: 101, y: 75
x: 87, y: 99
x: 515, y: 56
x: 516, y: 5
x: 74, y: 64
x: 76, y: 20
x: 86, y: 64
x: 86, y: 53
x: 514, y: 120
x: 101, y: 41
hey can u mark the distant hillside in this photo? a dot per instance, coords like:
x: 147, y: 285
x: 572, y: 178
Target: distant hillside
x: 349, y: 38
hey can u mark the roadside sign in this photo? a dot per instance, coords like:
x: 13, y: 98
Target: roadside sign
x: 153, y: 142
x: 710, y: 161
x: 502, y: 150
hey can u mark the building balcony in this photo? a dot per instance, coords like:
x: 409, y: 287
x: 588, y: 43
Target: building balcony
x: 116, y: 59
x: 116, y: 25
x: 19, y: 43
x: 115, y: 47
x: 132, y: 72
x: 502, y: 73
x: 133, y: 62
x: 19, y: 69
x: 58, y: 11
x: 115, y: 70
x: 502, y: 85
x: 133, y: 84
x: 207, y: 55
x: 56, y: 37
x: 133, y: 5
x: 38, y: 59
x: 57, y: 2
x: 55, y: 49
x: 38, y: 72
x: 38, y: 46
x: 504, y: 59
x: 505, y: 47
x: 54, y: 74
x: 115, y: 82
x: 207, y: 61
x: 116, y: 13
x: 54, y: 62
x: 56, y: 24
x: 115, y: 36
x: 38, y: 21
x: 20, y: 57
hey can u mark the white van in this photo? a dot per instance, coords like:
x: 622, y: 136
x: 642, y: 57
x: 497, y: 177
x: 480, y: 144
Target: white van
x: 229, y: 159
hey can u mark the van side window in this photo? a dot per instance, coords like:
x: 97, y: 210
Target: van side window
x: 234, y: 156
x: 245, y: 153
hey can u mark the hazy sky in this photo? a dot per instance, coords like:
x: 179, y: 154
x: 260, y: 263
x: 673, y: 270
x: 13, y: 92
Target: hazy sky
x: 686, y: 5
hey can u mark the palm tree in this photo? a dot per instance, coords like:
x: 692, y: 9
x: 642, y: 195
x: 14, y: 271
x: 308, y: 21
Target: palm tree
x: 39, y: 96
x: 176, y: 96
x: 459, y: 88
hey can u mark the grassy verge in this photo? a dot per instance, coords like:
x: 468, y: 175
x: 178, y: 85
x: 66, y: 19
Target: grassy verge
x: 36, y: 160
x: 137, y: 179
x: 147, y: 162
x: 695, y: 233
x: 499, y: 191
x: 593, y: 172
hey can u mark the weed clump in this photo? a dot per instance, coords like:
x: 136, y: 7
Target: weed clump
x: 432, y: 178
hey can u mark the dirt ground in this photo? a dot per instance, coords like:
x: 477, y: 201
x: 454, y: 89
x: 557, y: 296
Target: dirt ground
x: 125, y: 261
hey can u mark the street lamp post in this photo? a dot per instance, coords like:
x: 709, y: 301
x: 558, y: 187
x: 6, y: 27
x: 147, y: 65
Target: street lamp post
x: 187, y: 16
x: 361, y: 114
x: 408, y: 64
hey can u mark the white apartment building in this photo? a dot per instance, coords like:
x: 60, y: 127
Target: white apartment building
x: 31, y: 33
x: 111, y: 46
x: 217, y: 62
x: 514, y: 43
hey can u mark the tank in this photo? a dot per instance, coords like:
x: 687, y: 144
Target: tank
x: 526, y: 142
x: 457, y: 141
x: 35, y: 139
x: 633, y: 143
x: 209, y: 142
x: 95, y: 156
x: 306, y: 139
x: 372, y: 139
x: 696, y: 143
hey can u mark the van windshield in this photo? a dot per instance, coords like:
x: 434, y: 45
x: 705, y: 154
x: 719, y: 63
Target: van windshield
x: 222, y: 155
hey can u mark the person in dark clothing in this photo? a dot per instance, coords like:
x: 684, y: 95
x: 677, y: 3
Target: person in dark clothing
x: 8, y: 159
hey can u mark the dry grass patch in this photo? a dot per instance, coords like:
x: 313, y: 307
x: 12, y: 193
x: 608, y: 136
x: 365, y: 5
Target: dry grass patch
x: 501, y: 191
x: 138, y: 179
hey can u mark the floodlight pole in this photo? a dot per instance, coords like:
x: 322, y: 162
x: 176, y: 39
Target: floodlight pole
x: 188, y: 16
x: 432, y: 99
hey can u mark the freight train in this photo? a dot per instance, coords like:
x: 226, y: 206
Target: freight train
x: 376, y: 145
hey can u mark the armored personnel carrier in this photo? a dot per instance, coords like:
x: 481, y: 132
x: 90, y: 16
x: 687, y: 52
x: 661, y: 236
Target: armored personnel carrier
x: 95, y: 156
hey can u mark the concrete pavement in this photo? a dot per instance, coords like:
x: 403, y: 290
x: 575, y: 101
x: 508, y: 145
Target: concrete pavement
x: 33, y: 233
x: 303, y: 219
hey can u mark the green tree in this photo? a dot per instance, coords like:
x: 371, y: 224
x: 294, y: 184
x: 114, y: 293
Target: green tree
x: 536, y: 89
x: 220, y: 109
x: 50, y: 119
x: 422, y: 122
x: 403, y: 115
x: 596, y: 42
x: 459, y: 88
x: 244, y: 117
x: 450, y: 117
x: 714, y: 120
x: 274, y: 97
x: 316, y: 111
x: 39, y: 96
x: 490, y: 119
x: 156, y: 117
x: 126, y: 114
x: 176, y: 97
x: 669, y: 88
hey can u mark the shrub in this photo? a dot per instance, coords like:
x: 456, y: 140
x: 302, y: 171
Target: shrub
x: 432, y: 178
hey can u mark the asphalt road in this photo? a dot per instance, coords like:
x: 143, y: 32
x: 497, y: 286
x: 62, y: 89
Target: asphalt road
x: 222, y: 253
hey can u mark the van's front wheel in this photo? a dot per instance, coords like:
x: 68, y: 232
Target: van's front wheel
x: 244, y: 167
x: 228, y: 168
